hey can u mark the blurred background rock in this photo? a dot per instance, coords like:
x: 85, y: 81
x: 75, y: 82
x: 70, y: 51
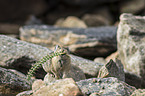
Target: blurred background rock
x: 65, y: 13
x: 92, y: 12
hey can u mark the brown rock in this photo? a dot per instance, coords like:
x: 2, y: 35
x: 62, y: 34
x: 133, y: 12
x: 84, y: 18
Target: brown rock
x: 6, y: 28
x: 101, y: 17
x: 71, y: 22
x: 65, y: 87
x: 130, y: 6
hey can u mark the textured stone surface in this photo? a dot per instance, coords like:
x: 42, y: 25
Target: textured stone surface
x: 80, y: 41
x: 138, y: 92
x: 12, y: 82
x: 112, y: 69
x: 71, y: 22
x: 37, y: 84
x: 21, y: 55
x: 90, y: 68
x: 105, y: 87
x: 131, y: 43
x: 65, y: 87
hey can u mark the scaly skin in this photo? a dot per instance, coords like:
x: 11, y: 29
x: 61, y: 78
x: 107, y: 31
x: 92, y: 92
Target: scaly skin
x: 58, y: 64
x: 47, y: 67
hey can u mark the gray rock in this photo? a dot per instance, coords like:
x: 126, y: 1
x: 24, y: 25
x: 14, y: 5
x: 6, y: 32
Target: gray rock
x: 131, y: 43
x: 12, y: 82
x: 112, y: 69
x: 80, y: 41
x: 21, y: 55
x: 105, y: 87
x: 89, y: 67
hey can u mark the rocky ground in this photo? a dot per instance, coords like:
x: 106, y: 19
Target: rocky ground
x: 79, y: 77
x: 105, y: 48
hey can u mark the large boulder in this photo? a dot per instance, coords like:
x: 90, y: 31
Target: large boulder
x: 12, y: 82
x: 86, y: 42
x: 21, y: 55
x: 105, y: 87
x: 131, y: 43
